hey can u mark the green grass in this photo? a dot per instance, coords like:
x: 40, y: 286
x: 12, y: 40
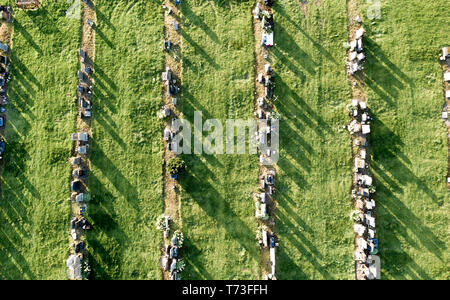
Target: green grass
x: 404, y: 86
x: 217, y: 207
x: 34, y: 206
x: 409, y: 142
x: 316, y: 238
x: 126, y: 155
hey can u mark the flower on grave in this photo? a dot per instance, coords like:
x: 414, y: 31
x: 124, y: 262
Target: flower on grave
x: 161, y: 223
x: 180, y: 238
x: 180, y: 265
x: 175, y: 165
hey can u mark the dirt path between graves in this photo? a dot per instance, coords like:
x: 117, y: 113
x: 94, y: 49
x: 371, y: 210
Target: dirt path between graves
x: 446, y: 86
x: 260, y: 54
x: 171, y: 188
x: 357, y: 80
x: 359, y: 93
x: 6, y: 32
x: 83, y: 124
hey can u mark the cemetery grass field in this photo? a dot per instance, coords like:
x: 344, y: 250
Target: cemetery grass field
x: 217, y: 207
x: 126, y: 152
x: 403, y: 83
x: 404, y: 86
x: 34, y: 205
x: 314, y: 205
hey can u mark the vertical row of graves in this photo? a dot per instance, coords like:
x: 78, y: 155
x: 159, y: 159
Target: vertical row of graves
x: 171, y: 261
x: 445, y: 63
x: 77, y: 264
x: 263, y: 26
x: 6, y: 19
x: 367, y: 262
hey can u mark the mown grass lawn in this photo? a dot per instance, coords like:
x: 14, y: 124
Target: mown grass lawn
x: 404, y: 83
x: 126, y: 152
x: 404, y: 86
x: 34, y: 205
x: 315, y: 158
x: 217, y: 207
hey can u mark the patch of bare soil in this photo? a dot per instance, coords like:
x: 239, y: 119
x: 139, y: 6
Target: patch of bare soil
x: 446, y: 86
x: 173, y: 63
x: 358, y: 92
x: 83, y: 124
x: 262, y: 57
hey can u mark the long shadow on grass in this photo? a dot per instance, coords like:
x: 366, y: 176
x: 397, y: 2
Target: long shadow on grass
x: 292, y: 127
x: 215, y: 205
x: 14, y: 208
x: 402, y: 220
x: 105, y: 95
x: 401, y: 266
x: 297, y: 116
x: 396, y: 263
x: 23, y: 103
x: 301, y: 57
x: 21, y: 89
x: 199, y: 49
x: 19, y: 29
x: 188, y: 64
x: 16, y: 124
x: 16, y: 257
x: 387, y: 152
x: 383, y: 83
x: 104, y: 19
x: 291, y: 130
x: 191, y: 104
x: 299, y: 160
x: 101, y: 75
x: 109, y: 100
x: 19, y: 67
x: 108, y: 169
x: 294, y: 106
x: 280, y: 9
x: 376, y: 52
x: 19, y: 179
x: 289, y: 64
x: 305, y: 247
x: 110, y: 127
x: 47, y: 24
x: 396, y: 220
x: 299, y: 222
x: 100, y: 33
x: 105, y: 262
x: 387, y: 79
x: 197, y: 21
x: 194, y: 269
x: 301, y: 242
x: 289, y: 270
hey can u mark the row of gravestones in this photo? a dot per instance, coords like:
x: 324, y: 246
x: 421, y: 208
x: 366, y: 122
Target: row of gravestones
x: 77, y: 263
x: 171, y: 260
x: 7, y: 17
x: 267, y: 128
x: 445, y: 61
x: 366, y: 243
